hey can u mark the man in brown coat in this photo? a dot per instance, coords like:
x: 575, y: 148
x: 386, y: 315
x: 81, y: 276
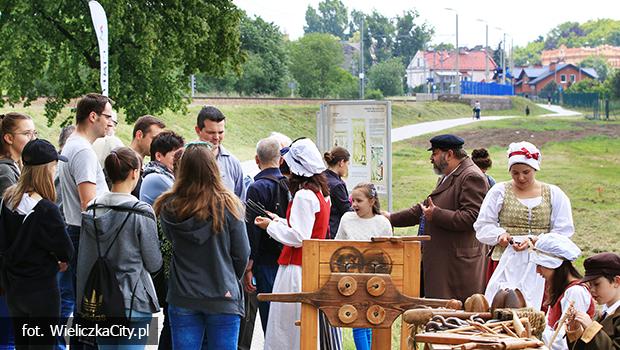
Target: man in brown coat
x: 453, y: 261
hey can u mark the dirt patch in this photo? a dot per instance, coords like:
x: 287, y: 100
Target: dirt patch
x: 503, y: 137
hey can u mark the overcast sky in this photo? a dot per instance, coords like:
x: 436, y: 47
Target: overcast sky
x: 522, y: 20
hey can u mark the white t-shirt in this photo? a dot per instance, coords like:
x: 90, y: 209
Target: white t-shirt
x: 354, y: 228
x: 82, y: 166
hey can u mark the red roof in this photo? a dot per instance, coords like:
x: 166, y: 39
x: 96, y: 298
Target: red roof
x: 468, y: 60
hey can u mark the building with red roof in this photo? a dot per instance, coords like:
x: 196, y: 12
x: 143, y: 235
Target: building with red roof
x: 439, y: 67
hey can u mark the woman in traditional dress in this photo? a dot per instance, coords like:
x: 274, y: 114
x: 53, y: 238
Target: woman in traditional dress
x: 307, y: 217
x: 512, y: 215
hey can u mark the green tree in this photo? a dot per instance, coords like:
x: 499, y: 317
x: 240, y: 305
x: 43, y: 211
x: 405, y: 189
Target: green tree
x: 599, y: 64
x: 565, y: 33
x: 410, y: 37
x: 267, y: 66
x: 550, y: 89
x: 315, y: 64
x: 530, y: 54
x: 387, y: 77
x: 331, y: 18
x: 154, y: 47
x: 614, y: 84
x: 379, y: 36
x: 588, y: 85
x: 443, y: 47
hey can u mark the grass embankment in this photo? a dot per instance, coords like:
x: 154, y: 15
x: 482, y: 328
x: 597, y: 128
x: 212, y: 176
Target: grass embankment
x: 405, y: 113
x: 249, y: 123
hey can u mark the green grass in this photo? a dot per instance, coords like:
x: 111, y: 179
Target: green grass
x: 247, y: 124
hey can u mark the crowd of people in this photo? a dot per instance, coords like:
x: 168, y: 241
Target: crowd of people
x: 186, y: 233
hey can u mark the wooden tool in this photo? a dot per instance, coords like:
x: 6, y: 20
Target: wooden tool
x: 560, y: 324
x: 418, y: 316
x: 347, y: 304
x: 481, y: 342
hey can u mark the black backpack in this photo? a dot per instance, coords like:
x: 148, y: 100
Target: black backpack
x: 102, y: 302
x: 283, y: 195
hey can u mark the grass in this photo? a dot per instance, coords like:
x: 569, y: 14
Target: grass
x: 586, y: 170
x: 247, y: 124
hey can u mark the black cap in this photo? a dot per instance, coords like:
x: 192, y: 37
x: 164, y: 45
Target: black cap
x: 604, y: 264
x: 447, y: 141
x: 39, y: 151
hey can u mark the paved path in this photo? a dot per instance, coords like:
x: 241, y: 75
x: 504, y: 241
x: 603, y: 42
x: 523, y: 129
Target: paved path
x: 558, y: 111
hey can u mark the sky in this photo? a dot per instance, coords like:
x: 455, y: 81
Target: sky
x: 522, y: 20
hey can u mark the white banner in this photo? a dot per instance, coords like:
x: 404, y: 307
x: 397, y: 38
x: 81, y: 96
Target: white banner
x: 100, y: 22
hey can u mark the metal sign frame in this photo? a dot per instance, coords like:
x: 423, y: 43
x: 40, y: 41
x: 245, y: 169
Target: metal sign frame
x: 325, y: 135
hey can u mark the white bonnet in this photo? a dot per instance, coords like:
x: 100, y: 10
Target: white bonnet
x: 304, y: 158
x: 525, y: 153
x: 551, y: 249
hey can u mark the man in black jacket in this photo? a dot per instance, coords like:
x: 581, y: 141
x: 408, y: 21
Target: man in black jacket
x: 267, y: 189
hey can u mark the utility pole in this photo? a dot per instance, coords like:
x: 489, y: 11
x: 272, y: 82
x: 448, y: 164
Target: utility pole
x: 361, y: 74
x: 458, y: 53
x: 504, y: 60
x: 486, y: 54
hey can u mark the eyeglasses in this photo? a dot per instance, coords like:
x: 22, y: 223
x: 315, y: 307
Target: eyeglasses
x: 32, y: 134
x: 108, y: 116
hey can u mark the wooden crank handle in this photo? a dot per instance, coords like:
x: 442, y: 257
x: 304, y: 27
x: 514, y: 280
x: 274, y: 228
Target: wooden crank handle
x: 304, y: 297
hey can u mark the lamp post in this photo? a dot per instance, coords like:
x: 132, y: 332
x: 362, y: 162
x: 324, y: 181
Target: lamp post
x: 486, y: 50
x: 458, y: 79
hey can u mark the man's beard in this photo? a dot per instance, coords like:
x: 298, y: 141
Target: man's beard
x: 441, y: 167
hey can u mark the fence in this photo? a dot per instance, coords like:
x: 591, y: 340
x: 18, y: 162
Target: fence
x: 477, y: 88
x: 580, y: 99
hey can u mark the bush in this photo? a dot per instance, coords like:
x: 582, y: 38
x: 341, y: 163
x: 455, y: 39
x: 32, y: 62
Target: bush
x: 374, y: 94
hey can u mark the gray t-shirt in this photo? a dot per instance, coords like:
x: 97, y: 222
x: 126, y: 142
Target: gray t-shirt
x: 82, y: 166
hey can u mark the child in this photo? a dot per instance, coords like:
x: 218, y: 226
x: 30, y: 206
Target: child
x: 603, y: 276
x: 553, y: 254
x: 363, y: 223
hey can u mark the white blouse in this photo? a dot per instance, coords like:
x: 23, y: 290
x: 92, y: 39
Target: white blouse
x: 354, y: 228
x: 487, y: 225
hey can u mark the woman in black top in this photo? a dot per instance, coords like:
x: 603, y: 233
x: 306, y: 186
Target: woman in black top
x: 34, y: 246
x: 337, y: 166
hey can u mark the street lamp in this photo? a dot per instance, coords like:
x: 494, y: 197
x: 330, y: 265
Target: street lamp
x: 486, y: 50
x: 458, y: 79
x: 503, y: 53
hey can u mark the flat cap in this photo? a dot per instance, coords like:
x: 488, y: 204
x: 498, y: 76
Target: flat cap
x: 603, y: 264
x: 446, y: 141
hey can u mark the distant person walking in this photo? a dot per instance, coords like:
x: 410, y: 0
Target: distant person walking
x: 477, y: 110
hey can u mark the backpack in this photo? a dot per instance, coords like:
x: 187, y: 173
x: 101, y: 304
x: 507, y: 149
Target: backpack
x: 102, y: 302
x: 283, y: 195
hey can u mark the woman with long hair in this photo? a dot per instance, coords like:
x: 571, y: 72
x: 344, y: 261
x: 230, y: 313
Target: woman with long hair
x: 307, y: 217
x: 34, y: 245
x: 514, y: 213
x: 16, y: 130
x: 553, y: 255
x: 123, y: 229
x: 337, y: 160
x: 210, y: 251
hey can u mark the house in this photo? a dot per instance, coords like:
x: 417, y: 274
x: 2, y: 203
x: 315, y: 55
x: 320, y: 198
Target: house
x: 440, y: 67
x: 574, y: 55
x: 531, y: 80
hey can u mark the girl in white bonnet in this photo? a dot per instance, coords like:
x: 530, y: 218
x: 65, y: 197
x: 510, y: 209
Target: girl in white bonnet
x: 512, y: 216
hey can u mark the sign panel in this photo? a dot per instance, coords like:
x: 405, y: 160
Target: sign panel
x: 363, y: 128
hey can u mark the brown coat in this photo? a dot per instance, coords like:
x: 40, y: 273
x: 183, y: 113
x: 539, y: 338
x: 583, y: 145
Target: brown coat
x: 453, y: 261
x: 599, y: 335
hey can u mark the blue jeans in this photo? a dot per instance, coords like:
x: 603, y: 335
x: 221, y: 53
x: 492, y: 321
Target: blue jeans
x: 190, y: 327
x: 7, y: 341
x: 139, y: 321
x: 67, y: 301
x: 265, y: 276
x: 362, y: 338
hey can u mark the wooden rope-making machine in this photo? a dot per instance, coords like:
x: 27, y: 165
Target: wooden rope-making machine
x: 364, y: 284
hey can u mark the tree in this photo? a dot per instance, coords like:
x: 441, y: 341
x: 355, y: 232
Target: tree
x: 588, y: 85
x: 267, y: 65
x: 599, y: 64
x: 315, y: 64
x: 387, y: 77
x: 443, y: 47
x: 530, y: 54
x: 614, y: 84
x: 331, y: 18
x: 378, y: 39
x: 410, y: 37
x: 550, y: 89
x: 154, y: 47
x: 565, y: 33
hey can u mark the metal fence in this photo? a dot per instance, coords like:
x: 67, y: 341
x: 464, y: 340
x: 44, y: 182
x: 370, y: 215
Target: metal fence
x: 477, y: 88
x: 580, y: 99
